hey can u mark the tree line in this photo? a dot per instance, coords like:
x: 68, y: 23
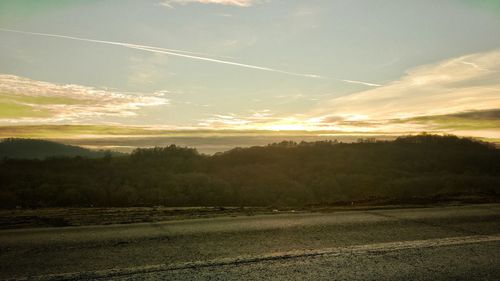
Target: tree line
x: 279, y: 174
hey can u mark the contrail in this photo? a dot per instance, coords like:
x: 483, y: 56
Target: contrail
x: 361, y: 83
x: 97, y: 41
x: 172, y: 52
x: 225, y: 62
x: 184, y: 54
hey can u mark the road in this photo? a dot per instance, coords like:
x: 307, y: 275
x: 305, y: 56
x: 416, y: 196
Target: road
x: 439, y: 243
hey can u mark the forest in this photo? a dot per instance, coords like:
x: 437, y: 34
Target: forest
x: 279, y: 174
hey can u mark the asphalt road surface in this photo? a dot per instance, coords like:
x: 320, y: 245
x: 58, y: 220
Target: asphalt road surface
x: 440, y: 243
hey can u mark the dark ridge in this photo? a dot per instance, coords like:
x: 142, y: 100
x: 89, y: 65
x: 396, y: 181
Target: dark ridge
x: 409, y: 169
x: 14, y: 148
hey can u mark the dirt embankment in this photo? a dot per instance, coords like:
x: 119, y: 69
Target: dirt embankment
x: 62, y: 217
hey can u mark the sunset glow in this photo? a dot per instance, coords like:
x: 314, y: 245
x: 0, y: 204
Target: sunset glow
x: 330, y: 75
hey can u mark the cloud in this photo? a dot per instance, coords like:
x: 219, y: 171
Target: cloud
x: 459, y: 95
x: 24, y: 100
x: 460, y: 84
x: 466, y: 121
x: 230, y: 121
x: 239, y: 3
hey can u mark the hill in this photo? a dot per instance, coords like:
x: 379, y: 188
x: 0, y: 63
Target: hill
x: 280, y: 174
x: 40, y: 149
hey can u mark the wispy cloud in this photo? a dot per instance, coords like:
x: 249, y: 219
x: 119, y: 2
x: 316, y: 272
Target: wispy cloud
x: 231, y: 120
x: 460, y: 84
x: 239, y: 3
x: 37, y: 101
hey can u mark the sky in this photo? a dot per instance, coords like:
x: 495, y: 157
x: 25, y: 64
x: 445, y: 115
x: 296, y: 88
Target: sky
x: 328, y: 66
